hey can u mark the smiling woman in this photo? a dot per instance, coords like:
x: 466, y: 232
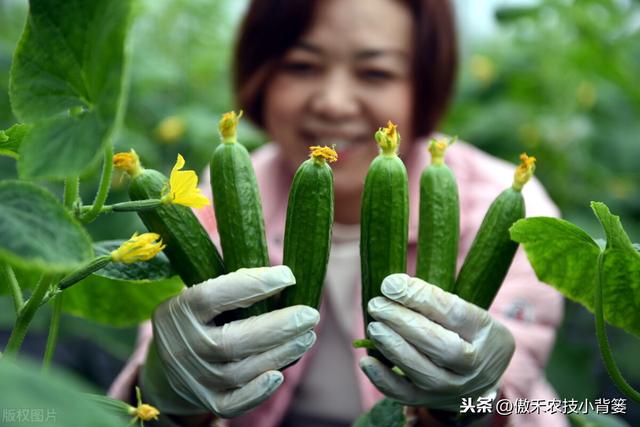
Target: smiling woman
x: 332, y: 72
x: 341, y: 70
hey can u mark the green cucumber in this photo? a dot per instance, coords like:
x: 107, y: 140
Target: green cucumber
x: 189, y: 248
x: 492, y: 251
x: 238, y: 209
x: 307, y: 236
x: 384, y: 220
x: 439, y: 223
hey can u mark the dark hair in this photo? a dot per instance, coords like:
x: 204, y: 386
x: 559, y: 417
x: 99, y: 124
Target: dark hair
x: 271, y: 28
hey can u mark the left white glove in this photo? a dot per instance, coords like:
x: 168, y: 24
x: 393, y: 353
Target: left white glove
x: 446, y: 347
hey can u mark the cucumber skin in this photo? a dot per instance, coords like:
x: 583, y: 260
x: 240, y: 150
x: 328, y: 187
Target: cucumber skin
x: 307, y: 237
x: 239, y: 217
x: 189, y: 248
x: 238, y: 208
x: 492, y: 251
x: 439, y: 227
x: 384, y: 222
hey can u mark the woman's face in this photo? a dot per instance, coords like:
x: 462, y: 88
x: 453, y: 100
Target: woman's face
x: 345, y: 78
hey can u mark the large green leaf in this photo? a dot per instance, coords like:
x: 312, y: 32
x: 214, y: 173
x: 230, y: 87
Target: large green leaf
x: 118, y: 302
x: 11, y: 139
x: 157, y: 268
x: 36, y: 232
x: 561, y: 254
x: 31, y: 397
x: 565, y: 257
x: 67, y: 79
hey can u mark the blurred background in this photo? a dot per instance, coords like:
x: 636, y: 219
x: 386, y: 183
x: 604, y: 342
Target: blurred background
x: 558, y: 79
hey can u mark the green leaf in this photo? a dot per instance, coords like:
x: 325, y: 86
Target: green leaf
x: 385, y: 413
x: 11, y: 139
x: 118, y: 302
x: 55, y: 399
x: 565, y: 257
x: 36, y: 232
x: 67, y: 79
x: 561, y: 254
x: 616, y: 236
x: 157, y: 268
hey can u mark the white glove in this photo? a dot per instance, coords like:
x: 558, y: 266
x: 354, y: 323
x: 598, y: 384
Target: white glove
x: 194, y: 366
x: 446, y: 347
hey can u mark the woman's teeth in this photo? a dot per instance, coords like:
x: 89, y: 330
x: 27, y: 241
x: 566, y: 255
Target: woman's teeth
x: 340, y: 144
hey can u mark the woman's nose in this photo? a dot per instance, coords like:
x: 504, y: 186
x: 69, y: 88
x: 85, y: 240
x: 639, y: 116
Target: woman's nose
x: 335, y: 97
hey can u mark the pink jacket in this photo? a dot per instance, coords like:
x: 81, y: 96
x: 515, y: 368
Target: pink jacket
x: 530, y: 309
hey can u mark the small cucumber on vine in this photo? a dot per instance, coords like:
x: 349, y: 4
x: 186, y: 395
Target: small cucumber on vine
x: 188, y: 246
x: 238, y: 209
x: 384, y: 219
x: 307, y: 236
x: 492, y: 250
x: 439, y: 221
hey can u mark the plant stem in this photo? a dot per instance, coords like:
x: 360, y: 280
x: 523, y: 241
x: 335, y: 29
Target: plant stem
x: 79, y: 274
x: 7, y: 275
x: 603, y: 341
x: 52, y: 338
x: 132, y: 206
x: 25, y: 317
x: 103, y: 189
x: 71, y: 191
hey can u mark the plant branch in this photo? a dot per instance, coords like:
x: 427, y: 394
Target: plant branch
x: 103, y: 189
x: 132, y: 206
x: 71, y: 191
x: 79, y: 274
x: 52, y: 338
x: 25, y: 317
x: 603, y: 341
x: 7, y: 275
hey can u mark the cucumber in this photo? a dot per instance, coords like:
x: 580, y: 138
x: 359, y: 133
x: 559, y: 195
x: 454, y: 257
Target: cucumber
x: 307, y: 236
x: 439, y: 221
x: 238, y: 209
x: 384, y: 220
x: 492, y: 250
x: 188, y: 246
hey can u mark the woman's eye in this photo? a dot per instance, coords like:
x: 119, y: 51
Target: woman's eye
x: 374, y: 75
x: 299, y: 67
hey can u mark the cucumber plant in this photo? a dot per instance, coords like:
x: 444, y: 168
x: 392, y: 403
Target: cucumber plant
x: 492, y: 250
x: 238, y: 209
x: 384, y: 219
x: 439, y: 221
x: 307, y: 236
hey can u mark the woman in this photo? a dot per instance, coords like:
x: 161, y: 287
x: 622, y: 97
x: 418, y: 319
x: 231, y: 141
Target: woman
x: 332, y: 72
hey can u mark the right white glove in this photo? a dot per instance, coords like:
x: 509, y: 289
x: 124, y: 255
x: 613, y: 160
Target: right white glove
x: 194, y: 366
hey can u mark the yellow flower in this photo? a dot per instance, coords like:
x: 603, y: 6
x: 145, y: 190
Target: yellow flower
x: 228, y: 126
x: 142, y: 412
x: 322, y: 154
x: 127, y: 162
x: 141, y: 247
x: 524, y: 171
x: 145, y: 412
x: 183, y: 187
x: 388, y: 138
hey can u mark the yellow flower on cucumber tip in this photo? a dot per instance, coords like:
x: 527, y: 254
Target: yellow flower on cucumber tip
x: 183, y: 187
x: 228, y: 125
x: 388, y: 138
x: 138, y: 248
x: 127, y: 162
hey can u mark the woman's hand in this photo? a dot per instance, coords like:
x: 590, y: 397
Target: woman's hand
x: 195, y: 367
x: 446, y: 347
